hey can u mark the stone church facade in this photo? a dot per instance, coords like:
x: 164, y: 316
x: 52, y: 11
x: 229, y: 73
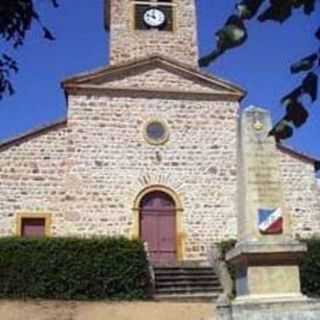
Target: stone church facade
x: 148, y: 149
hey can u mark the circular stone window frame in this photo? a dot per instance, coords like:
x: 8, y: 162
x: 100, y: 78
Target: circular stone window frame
x: 156, y: 142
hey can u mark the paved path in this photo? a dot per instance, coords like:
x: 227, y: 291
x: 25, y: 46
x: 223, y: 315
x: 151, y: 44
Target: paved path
x: 39, y: 310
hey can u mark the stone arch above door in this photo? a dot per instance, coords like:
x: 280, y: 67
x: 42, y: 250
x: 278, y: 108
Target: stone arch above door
x: 180, y: 235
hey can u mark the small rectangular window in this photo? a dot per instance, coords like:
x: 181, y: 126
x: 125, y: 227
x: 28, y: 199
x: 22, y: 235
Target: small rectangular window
x: 168, y: 10
x: 33, y: 225
x: 140, y: 9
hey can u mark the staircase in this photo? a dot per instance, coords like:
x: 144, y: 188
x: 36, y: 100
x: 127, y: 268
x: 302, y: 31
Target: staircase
x: 181, y: 283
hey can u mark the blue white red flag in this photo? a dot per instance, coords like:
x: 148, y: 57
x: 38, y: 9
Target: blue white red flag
x: 270, y: 221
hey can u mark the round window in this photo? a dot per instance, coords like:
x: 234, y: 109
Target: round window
x: 156, y: 132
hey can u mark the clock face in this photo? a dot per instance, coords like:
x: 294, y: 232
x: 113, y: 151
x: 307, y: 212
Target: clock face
x: 154, y: 17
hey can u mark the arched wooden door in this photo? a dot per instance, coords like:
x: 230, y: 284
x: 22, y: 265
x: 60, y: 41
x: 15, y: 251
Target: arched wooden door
x: 158, y: 226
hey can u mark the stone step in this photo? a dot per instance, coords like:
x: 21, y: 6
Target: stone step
x: 188, y: 284
x: 172, y: 282
x: 181, y: 290
x: 169, y: 280
x: 194, y: 297
x: 201, y: 277
x: 184, y: 272
x: 190, y: 281
x: 183, y: 283
x: 208, y: 269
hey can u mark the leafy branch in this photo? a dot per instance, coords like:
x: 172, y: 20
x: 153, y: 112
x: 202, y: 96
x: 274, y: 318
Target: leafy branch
x: 234, y: 34
x: 16, y: 19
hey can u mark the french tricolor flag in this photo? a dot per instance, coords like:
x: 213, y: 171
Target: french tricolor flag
x: 270, y: 221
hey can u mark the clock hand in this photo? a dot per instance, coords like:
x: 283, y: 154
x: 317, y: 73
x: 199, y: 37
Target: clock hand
x: 152, y: 15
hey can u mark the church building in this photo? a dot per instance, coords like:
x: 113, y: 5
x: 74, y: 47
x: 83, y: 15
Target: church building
x: 148, y: 148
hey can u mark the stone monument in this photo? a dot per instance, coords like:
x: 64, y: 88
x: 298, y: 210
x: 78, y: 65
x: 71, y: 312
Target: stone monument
x: 266, y: 257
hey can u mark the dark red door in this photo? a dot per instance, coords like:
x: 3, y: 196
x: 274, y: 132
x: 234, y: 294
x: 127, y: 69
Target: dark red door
x: 158, y: 227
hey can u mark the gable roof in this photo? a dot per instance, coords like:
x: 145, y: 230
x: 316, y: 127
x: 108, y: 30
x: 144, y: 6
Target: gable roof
x: 116, y: 80
x: 300, y: 155
x: 34, y: 132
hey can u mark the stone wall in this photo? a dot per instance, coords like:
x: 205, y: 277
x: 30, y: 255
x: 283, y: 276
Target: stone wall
x: 198, y: 163
x: 156, y: 79
x: 32, y: 179
x: 89, y: 174
x: 128, y: 44
x: 301, y: 194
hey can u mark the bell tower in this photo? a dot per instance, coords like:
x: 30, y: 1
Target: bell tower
x: 139, y: 29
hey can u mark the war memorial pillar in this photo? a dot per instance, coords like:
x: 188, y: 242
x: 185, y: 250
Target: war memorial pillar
x: 266, y: 257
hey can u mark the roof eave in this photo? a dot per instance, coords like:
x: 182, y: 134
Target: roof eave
x: 78, y: 89
x: 110, y: 70
x: 34, y: 132
x: 301, y: 155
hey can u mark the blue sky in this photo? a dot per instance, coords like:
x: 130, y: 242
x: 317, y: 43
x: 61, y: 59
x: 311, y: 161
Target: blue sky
x: 261, y: 66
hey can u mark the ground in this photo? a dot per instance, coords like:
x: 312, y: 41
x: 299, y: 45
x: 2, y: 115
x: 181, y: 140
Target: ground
x: 48, y: 310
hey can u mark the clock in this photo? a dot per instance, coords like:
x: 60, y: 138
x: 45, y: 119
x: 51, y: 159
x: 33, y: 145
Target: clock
x: 154, y: 17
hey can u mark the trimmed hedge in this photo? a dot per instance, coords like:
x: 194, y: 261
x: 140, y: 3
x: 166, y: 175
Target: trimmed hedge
x: 77, y: 269
x: 309, y: 268
x: 224, y: 247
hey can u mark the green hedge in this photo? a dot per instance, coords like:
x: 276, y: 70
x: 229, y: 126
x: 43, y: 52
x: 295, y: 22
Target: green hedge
x: 309, y: 268
x: 79, y: 269
x: 224, y: 247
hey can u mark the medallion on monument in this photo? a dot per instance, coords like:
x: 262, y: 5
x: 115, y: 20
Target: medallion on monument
x: 270, y: 221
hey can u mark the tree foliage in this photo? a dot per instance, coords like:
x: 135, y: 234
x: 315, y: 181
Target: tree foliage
x: 16, y: 19
x: 234, y: 33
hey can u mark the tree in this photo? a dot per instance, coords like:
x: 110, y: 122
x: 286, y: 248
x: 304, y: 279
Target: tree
x: 234, y: 33
x: 16, y: 19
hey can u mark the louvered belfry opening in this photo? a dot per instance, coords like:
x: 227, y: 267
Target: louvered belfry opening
x: 166, y: 6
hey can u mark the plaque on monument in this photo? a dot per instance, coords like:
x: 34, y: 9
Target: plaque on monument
x: 270, y: 221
